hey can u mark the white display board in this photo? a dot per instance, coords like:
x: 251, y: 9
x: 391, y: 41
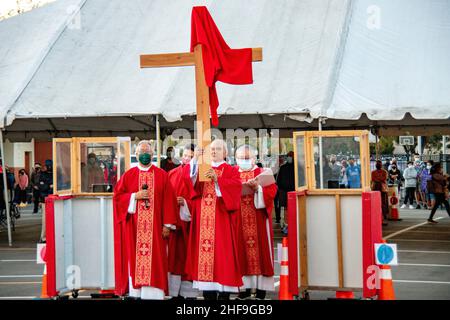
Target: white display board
x: 322, y: 247
x: 84, y: 243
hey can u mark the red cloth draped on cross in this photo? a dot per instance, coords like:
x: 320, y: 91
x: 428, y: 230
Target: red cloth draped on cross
x: 221, y: 63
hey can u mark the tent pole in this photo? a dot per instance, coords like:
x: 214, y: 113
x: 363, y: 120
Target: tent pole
x: 320, y: 154
x: 5, y: 188
x: 158, y: 142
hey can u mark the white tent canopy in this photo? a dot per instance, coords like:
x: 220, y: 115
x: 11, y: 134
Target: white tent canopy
x: 73, y: 66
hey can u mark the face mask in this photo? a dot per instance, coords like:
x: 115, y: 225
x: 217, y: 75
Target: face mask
x: 289, y: 159
x: 145, y: 158
x: 410, y: 166
x: 91, y: 160
x: 428, y: 167
x: 244, y: 164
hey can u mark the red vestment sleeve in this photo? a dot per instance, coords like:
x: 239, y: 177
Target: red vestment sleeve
x: 169, y: 206
x: 269, y: 194
x: 221, y: 63
x: 121, y: 199
x: 230, y: 186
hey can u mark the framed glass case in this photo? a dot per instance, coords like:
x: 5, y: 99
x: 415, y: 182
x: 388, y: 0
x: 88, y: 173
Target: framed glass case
x: 332, y: 160
x: 89, y: 166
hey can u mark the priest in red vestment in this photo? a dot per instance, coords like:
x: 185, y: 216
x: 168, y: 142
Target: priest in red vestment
x: 212, y: 260
x: 256, y: 223
x: 179, y: 285
x: 145, y: 212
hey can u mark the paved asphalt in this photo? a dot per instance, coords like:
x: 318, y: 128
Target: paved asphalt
x: 423, y: 271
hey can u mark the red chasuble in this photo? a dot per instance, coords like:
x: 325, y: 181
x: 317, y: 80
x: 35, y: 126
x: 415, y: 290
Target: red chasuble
x: 138, y: 238
x: 213, y: 248
x: 178, y: 240
x: 257, y: 240
x: 221, y: 63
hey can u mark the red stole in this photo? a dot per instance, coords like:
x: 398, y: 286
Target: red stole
x: 144, y: 236
x: 207, y: 231
x: 249, y: 227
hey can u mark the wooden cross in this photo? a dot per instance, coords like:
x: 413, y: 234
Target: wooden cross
x: 184, y: 59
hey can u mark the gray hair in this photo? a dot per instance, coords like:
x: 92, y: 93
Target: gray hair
x: 252, y: 150
x: 144, y: 142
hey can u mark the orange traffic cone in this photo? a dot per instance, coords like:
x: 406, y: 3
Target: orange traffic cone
x: 284, y: 293
x: 44, y: 293
x: 386, y: 291
x: 395, y: 216
x: 345, y: 295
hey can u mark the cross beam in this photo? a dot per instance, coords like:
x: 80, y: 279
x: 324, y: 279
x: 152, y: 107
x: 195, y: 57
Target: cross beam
x: 183, y: 59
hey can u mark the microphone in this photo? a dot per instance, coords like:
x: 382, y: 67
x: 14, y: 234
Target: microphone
x: 145, y: 187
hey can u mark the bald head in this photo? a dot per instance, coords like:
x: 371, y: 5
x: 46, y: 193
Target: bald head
x: 144, y: 146
x: 218, y: 150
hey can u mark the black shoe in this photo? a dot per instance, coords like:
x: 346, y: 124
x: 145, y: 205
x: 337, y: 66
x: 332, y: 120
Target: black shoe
x: 418, y: 207
x: 260, y: 294
x: 431, y: 221
x: 244, y: 295
x: 210, y: 295
x: 224, y: 296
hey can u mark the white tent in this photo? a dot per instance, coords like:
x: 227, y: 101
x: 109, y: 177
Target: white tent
x: 72, y: 67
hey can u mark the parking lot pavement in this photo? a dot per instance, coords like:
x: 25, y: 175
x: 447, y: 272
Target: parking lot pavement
x: 423, y: 253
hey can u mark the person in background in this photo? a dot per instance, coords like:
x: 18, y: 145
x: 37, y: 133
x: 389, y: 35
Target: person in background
x: 410, y: 176
x: 45, y: 183
x: 35, y: 177
x: 92, y: 174
x: 425, y: 175
x: 418, y: 166
x: 335, y: 173
x: 343, y: 181
x: 353, y: 172
x: 395, y: 176
x: 11, y: 181
x: 276, y: 201
x: 386, y: 165
x: 379, y: 183
x: 438, y: 186
x: 169, y: 163
x: 20, y: 192
x: 286, y: 183
x: 393, y: 163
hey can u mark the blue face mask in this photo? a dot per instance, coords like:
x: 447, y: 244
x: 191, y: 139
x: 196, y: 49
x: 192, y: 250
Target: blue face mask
x: 244, y: 164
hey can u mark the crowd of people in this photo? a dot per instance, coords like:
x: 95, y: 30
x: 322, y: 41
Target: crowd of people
x: 24, y: 190
x: 424, y: 183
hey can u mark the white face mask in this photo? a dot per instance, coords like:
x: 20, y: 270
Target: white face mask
x: 244, y: 164
x: 289, y: 159
x: 410, y: 166
x: 428, y: 167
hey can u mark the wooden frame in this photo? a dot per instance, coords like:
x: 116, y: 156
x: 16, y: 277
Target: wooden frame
x: 55, y: 161
x: 76, y: 159
x: 310, y: 176
x: 310, y: 190
x: 298, y: 135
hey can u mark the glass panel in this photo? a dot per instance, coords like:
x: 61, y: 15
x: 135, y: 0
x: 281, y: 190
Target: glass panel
x: 63, y: 166
x: 123, y: 150
x: 98, y: 167
x: 341, y: 166
x: 301, y: 169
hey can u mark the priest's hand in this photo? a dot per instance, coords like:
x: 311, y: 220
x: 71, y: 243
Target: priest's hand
x: 165, y: 232
x: 143, y: 194
x: 211, y: 174
x: 198, y: 152
x: 180, y: 201
x: 253, y: 184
